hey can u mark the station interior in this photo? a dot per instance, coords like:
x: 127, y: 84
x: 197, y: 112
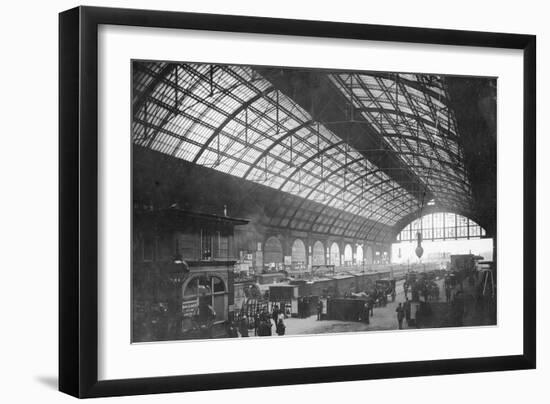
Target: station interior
x: 310, y: 201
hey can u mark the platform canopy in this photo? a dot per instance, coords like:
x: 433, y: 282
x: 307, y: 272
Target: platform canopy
x: 366, y: 147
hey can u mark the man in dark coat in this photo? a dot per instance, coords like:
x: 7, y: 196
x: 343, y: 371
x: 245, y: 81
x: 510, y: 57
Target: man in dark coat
x: 280, y: 327
x: 447, y: 294
x: 366, y: 312
x: 243, y: 327
x: 275, y: 313
x: 371, y: 305
x: 400, y: 315
x: 257, y: 322
x: 407, y: 308
x: 265, y: 328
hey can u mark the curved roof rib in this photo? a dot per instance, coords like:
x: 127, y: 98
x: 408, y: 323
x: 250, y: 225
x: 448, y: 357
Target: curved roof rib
x: 394, y: 145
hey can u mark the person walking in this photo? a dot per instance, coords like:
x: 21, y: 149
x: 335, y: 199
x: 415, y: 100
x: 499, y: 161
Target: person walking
x: 280, y: 327
x: 243, y: 326
x: 264, y: 315
x: 319, y: 309
x: 448, y: 293
x: 257, y: 322
x: 275, y: 314
x: 426, y: 293
x: 366, y: 313
x: 407, y: 308
x: 371, y: 305
x: 265, y: 328
x: 400, y: 315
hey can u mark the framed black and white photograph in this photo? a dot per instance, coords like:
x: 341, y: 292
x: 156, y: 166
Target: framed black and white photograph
x: 250, y: 201
x: 266, y: 199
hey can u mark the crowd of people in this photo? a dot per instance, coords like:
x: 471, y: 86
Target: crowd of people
x: 261, y: 324
x: 426, y: 290
x: 416, y: 308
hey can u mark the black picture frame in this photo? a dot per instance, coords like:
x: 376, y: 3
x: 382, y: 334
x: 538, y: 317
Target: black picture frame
x: 78, y: 196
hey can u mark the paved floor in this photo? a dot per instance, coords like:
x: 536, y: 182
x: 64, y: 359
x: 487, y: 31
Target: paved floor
x: 385, y: 318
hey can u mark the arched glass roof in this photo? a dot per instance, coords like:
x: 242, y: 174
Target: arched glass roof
x: 411, y: 112
x: 233, y: 120
x: 441, y: 226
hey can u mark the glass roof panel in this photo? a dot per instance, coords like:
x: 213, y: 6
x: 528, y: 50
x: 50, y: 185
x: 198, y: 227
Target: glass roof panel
x: 412, y: 106
x: 231, y: 119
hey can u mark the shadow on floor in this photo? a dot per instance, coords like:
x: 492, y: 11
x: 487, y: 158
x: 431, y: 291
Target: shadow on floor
x: 48, y: 381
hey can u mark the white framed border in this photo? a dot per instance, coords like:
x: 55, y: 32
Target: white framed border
x: 118, y: 359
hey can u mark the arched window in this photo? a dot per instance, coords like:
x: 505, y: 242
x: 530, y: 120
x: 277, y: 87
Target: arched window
x: 359, y: 254
x: 318, y: 254
x: 348, y: 255
x: 210, y: 289
x: 203, y: 286
x: 298, y: 254
x: 335, y: 255
x: 368, y: 255
x: 441, y: 226
x: 273, y: 252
